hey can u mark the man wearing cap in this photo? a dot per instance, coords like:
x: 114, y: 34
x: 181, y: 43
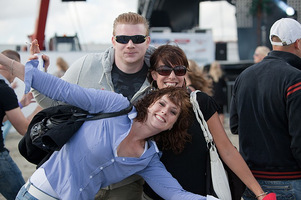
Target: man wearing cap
x: 266, y: 113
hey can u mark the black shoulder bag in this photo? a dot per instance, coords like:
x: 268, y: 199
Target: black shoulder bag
x: 52, y: 127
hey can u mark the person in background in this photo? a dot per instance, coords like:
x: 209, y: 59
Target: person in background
x: 62, y: 67
x: 107, y: 150
x: 265, y: 112
x: 122, y: 68
x: 6, y: 125
x: 219, y: 87
x: 11, y: 179
x: 260, y: 53
x: 196, y: 80
x: 169, y: 65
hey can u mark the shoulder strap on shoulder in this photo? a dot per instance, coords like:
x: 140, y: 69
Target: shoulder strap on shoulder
x: 199, y: 116
x: 107, y: 115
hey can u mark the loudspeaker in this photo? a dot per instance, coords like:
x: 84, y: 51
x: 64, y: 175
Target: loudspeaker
x: 221, y: 51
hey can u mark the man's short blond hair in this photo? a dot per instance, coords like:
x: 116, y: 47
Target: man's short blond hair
x: 12, y: 54
x: 131, y: 18
x: 263, y: 50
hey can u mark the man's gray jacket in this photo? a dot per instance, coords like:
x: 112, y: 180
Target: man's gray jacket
x: 94, y: 71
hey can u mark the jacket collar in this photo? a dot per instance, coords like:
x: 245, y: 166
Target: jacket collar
x: 290, y: 58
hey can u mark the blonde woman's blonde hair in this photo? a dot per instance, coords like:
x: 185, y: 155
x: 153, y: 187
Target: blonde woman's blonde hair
x: 131, y: 18
x: 198, y: 79
x: 215, y: 71
x: 60, y: 62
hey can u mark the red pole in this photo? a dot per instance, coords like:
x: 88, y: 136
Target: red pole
x: 39, y: 32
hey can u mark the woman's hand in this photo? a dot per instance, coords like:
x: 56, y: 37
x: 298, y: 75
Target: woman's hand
x: 270, y: 196
x: 35, y: 49
x: 27, y: 99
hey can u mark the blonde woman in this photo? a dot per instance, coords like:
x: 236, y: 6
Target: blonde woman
x: 62, y: 67
x: 196, y: 80
x: 219, y: 87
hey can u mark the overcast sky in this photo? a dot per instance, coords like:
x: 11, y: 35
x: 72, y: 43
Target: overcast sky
x: 92, y: 20
x: 220, y: 17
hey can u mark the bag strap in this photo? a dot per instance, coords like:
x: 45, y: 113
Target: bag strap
x: 104, y: 115
x: 199, y: 116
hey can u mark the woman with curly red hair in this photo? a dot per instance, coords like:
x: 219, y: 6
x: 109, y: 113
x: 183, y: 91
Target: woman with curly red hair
x: 108, y: 150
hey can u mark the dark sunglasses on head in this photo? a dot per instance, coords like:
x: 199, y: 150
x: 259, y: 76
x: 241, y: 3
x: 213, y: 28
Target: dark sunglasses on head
x: 136, y: 39
x: 164, y: 70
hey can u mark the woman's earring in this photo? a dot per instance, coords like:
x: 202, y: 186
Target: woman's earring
x: 152, y: 88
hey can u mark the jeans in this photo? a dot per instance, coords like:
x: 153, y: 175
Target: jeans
x: 24, y: 194
x: 11, y: 179
x: 284, y: 189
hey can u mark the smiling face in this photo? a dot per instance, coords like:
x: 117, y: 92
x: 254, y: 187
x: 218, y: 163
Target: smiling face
x: 167, y: 81
x: 163, y: 113
x: 170, y: 56
x: 166, y: 109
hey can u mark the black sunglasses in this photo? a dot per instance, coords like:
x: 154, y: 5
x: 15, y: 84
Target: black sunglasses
x: 136, y: 39
x: 164, y: 70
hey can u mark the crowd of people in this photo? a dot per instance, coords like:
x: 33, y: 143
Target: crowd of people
x: 158, y: 150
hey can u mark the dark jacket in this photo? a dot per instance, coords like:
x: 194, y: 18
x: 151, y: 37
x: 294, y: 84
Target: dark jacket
x: 266, y: 113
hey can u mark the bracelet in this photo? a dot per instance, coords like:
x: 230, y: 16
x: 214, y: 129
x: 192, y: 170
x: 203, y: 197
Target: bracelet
x: 265, y: 193
x: 12, y: 67
x: 20, y: 105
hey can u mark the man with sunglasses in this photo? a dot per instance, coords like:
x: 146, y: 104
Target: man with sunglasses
x: 121, y: 68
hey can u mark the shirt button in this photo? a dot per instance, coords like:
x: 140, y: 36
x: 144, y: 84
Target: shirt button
x: 123, y: 159
x: 80, y: 189
x: 112, y: 160
x: 91, y: 176
x: 101, y: 168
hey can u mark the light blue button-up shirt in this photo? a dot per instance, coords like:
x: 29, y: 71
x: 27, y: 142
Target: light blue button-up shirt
x: 88, y: 161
